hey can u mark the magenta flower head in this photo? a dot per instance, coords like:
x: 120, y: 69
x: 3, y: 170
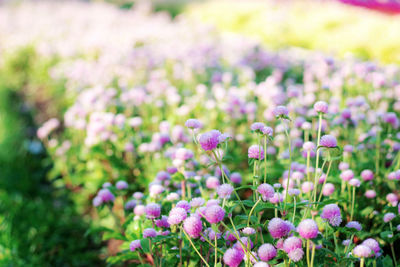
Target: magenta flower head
x: 236, y: 178
x: 138, y: 195
x: 331, y: 213
x: 121, y: 185
x: 367, y: 175
x: 280, y: 111
x: 292, y: 243
x: 355, y: 225
x: 212, y: 182
x: 256, y: 152
x: 197, y: 202
x: 261, y: 264
x: 193, y: 226
x: 347, y: 175
x: 267, y: 131
x: 328, y: 141
x: 149, y: 232
x: 183, y: 204
x: 225, y: 191
x: 328, y: 189
x: 370, y: 194
x: 373, y: 245
x: 308, y: 146
x: 176, y: 216
x: 233, y: 257
x: 266, y: 191
x: 257, y: 127
x: 278, y: 228
x: 308, y: 229
x: 307, y: 186
x: 209, y: 140
x: 246, y: 242
x: 106, y: 195
x: 135, y: 244
x: 266, y: 252
x: 214, y: 214
x: 321, y: 107
x: 248, y: 231
x: 392, y: 198
x: 193, y: 124
x: 296, y: 254
x: 230, y: 236
x: 355, y: 182
x: 388, y: 217
x: 153, y: 211
x: 163, y: 222
x: 362, y: 251
x: 97, y: 201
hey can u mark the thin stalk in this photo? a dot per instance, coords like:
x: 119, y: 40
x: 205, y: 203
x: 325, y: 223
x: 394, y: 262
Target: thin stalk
x: 251, y: 211
x: 265, y: 159
x: 352, y: 203
x: 308, y: 252
x: 215, y: 251
x: 326, y: 178
x: 290, y: 167
x: 312, y: 255
x: 194, y: 247
x: 294, y: 209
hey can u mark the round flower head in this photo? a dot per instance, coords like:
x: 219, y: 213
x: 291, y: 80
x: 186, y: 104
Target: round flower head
x: 183, y: 204
x: 139, y: 210
x: 343, y: 166
x: 138, y: 195
x: 278, y: 228
x: 225, y: 191
x: 276, y: 198
x: 321, y: 107
x: 156, y: 189
x: 193, y: 124
x: 296, y: 254
x: 362, y: 251
x: 245, y: 241
x: 370, y: 194
x: 307, y: 186
x: 233, y: 257
x: 280, y: 111
x: 193, y: 226
x: 346, y: 242
x: 367, y: 175
x: 230, y: 236
x: 308, y: 146
x: 388, y: 217
x: 197, y: 202
x: 107, y: 184
x: 212, y: 182
x: 308, y: 229
x: 153, y: 211
x: 328, y: 189
x: 261, y: 264
x: 267, y: 131
x: 355, y: 182
x: 106, y: 195
x: 331, y: 213
x: 354, y: 224
x: 121, y: 185
x: 97, y: 201
x: 163, y: 222
x: 212, y: 202
x: 257, y: 126
x: 328, y: 141
x: 267, y: 252
x: 347, y: 175
x: 149, y: 232
x: 266, y: 191
x: 292, y: 243
x: 236, y: 178
x: 176, y: 216
x: 214, y: 214
x: 256, y: 152
x: 248, y: 231
x: 135, y: 244
x: 373, y: 245
x: 209, y: 140
x: 392, y: 198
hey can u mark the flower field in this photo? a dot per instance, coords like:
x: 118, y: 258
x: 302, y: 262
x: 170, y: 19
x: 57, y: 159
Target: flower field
x: 177, y: 144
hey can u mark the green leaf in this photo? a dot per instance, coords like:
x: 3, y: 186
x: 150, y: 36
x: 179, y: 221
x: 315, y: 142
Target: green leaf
x: 114, y: 235
x: 145, y: 244
x: 178, y: 177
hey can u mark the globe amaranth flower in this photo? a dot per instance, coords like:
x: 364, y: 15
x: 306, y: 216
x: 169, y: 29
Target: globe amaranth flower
x: 362, y: 251
x: 120, y: 185
x: 212, y: 182
x: 296, y: 254
x: 280, y: 111
x: 247, y: 243
x: 176, y: 216
x: 266, y: 191
x: 367, y: 175
x: 354, y: 224
x: 193, y: 124
x: 193, y: 226
x: 248, y: 231
x: 257, y: 127
x: 328, y: 141
x: 267, y: 252
x: 308, y: 229
x: 256, y: 152
x: 373, y: 245
x: 230, y: 236
x: 388, y: 217
x: 328, y: 189
x: 308, y: 146
x: 149, y: 232
x: 321, y: 107
x: 268, y: 131
x: 233, y: 257
x: 347, y: 175
x: 153, y: 211
x: 236, y: 178
x: 278, y: 228
x: 392, y: 199
x: 292, y: 243
x: 139, y: 210
x: 209, y: 140
x: 307, y: 187
x: 97, y: 201
x: 163, y: 222
x: 214, y: 214
x: 331, y: 213
x: 138, y: 195
x: 106, y: 195
x: 183, y: 204
x: 261, y: 264
x: 370, y: 194
x: 135, y: 244
x: 197, y: 202
x: 355, y: 182
x: 225, y: 191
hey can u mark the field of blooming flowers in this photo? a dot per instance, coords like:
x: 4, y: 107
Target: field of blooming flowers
x: 185, y: 146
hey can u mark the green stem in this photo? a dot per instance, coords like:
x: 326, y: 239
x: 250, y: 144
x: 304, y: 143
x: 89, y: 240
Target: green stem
x: 362, y: 262
x: 194, y: 247
x: 352, y: 203
x: 265, y: 159
x: 251, y: 211
x: 215, y: 242
x: 290, y: 167
x: 326, y: 178
x: 294, y: 209
x: 308, y: 252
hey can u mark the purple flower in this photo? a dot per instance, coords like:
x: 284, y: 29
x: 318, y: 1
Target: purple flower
x: 278, y: 228
x: 121, y: 185
x: 138, y: 195
x: 388, y: 217
x: 106, y: 195
x: 248, y: 231
x: 331, y: 213
x: 225, y: 191
x: 308, y: 146
x: 296, y: 254
x: 355, y: 182
x: 370, y: 194
x: 256, y: 152
x: 308, y: 229
x: 373, y: 245
x: 193, y: 124
x: 197, y: 202
x: 328, y: 141
x: 153, y: 211
x: 176, y: 216
x: 236, y: 178
x: 246, y: 242
x: 328, y: 189
x: 267, y: 252
x: 183, y: 204
x: 362, y: 251
x: 209, y: 140
x: 212, y: 182
x: 163, y: 222
x: 149, y: 232
x: 135, y: 244
x: 193, y: 226
x: 347, y: 175
x: 367, y: 175
x: 267, y: 131
x: 321, y: 107
x: 280, y: 111
x: 97, y: 201
x: 139, y: 210
x: 354, y: 224
x: 292, y: 243
x: 266, y: 191
x: 257, y: 126
x: 233, y: 257
x: 214, y: 214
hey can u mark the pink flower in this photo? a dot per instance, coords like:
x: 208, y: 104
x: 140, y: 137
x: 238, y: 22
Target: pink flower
x: 331, y: 213
x: 308, y: 229
x: 193, y: 226
x: 267, y: 252
x: 278, y: 228
x: 153, y: 210
x: 209, y: 140
x: 214, y: 214
x: 367, y: 175
x: 328, y: 141
x: 233, y: 257
x: 321, y: 107
x: 266, y: 191
x: 225, y: 191
x: 280, y: 111
x: 362, y: 251
x: 176, y: 216
x: 256, y: 152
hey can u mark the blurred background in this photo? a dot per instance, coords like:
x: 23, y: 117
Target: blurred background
x: 39, y: 223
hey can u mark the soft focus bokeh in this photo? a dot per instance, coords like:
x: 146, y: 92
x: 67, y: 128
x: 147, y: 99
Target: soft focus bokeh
x: 98, y: 92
